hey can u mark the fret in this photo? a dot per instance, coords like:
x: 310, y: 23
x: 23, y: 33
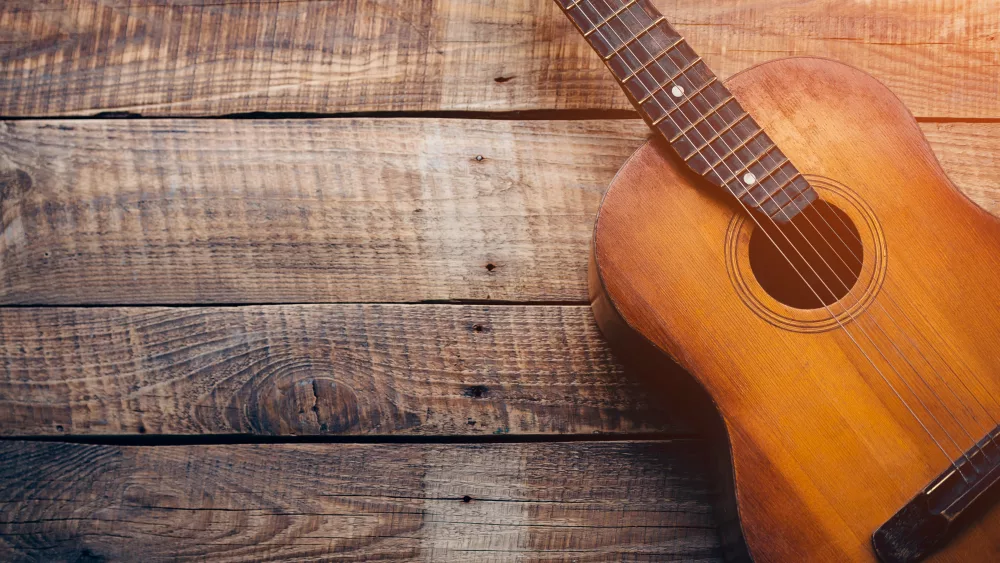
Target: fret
x: 705, y: 116
x: 686, y: 92
x: 746, y: 167
x: 767, y: 207
x: 759, y: 180
x: 715, y: 137
x: 672, y: 79
x: 790, y: 198
x: 776, y: 168
x: 779, y: 200
x: 785, y: 197
x: 678, y: 106
x: 733, y: 150
x: 659, y: 56
x: 625, y: 45
x: 785, y: 185
x: 807, y: 196
x: 791, y: 206
x: 801, y: 201
x: 617, y: 12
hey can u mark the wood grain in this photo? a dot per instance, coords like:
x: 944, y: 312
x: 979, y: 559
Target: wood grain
x: 203, y: 57
x: 970, y: 154
x: 610, y: 501
x: 194, y: 211
x: 316, y: 370
x: 303, y: 211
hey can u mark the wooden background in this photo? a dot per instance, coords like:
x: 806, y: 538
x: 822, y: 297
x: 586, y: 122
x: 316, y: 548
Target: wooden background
x: 306, y: 279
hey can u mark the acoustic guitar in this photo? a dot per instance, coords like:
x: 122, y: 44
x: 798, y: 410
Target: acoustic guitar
x: 790, y: 240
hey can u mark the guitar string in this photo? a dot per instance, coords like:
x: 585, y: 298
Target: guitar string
x: 626, y: 8
x: 829, y: 244
x: 847, y: 332
x: 967, y: 369
x: 974, y: 416
x: 975, y: 442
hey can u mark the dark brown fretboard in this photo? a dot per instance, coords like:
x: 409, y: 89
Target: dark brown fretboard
x: 679, y: 96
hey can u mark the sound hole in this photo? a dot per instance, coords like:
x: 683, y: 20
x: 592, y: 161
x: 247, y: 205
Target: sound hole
x: 813, y: 262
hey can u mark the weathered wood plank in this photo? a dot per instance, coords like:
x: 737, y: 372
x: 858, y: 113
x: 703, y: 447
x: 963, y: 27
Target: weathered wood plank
x: 970, y: 153
x: 316, y: 370
x: 201, y: 57
x: 608, y: 501
x: 371, y: 210
x: 195, y: 211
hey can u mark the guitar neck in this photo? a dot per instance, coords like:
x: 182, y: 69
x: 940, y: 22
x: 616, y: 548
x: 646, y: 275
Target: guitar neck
x: 682, y: 99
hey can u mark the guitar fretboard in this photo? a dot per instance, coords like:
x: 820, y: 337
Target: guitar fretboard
x: 680, y: 97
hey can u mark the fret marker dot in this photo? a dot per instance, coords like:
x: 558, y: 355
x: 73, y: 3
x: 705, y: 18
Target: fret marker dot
x: 677, y: 91
x: 749, y: 179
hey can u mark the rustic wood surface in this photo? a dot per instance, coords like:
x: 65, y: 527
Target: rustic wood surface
x: 337, y: 210
x: 356, y: 229
x: 203, y: 211
x: 607, y: 501
x: 317, y: 370
x: 205, y: 57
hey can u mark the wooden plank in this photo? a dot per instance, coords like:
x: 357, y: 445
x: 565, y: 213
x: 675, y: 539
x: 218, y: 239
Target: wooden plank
x: 195, y: 211
x: 317, y: 370
x: 608, y: 501
x: 304, y: 211
x: 970, y: 153
x: 203, y: 57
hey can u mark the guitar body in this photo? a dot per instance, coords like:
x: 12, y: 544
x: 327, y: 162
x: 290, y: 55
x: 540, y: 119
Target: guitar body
x: 822, y: 450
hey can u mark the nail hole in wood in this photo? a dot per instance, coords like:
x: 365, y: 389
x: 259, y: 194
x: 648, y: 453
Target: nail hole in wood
x: 477, y: 391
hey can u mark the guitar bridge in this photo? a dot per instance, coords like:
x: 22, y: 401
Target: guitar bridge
x: 927, y: 522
